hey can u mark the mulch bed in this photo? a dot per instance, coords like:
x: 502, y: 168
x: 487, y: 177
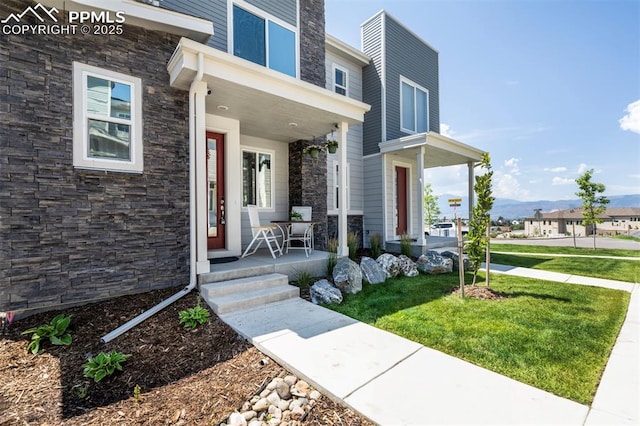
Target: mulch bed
x: 480, y: 292
x: 185, y: 377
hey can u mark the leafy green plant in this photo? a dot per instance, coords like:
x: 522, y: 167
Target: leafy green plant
x: 55, y: 331
x: 304, y: 279
x: 294, y: 215
x: 353, y: 242
x: 332, y: 260
x: 104, y: 364
x: 405, y: 245
x: 194, y: 316
x: 375, y: 242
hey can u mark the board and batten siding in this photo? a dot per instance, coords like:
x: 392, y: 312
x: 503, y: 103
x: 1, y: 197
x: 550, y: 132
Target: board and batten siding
x: 213, y: 10
x: 373, y: 202
x: 409, y: 56
x: 354, y: 137
x: 371, y: 35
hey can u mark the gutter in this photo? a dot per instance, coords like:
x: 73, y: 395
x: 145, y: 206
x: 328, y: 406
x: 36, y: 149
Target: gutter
x: 192, y: 219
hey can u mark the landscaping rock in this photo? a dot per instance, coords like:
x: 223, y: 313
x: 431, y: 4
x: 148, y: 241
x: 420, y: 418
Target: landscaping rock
x: 324, y: 292
x: 407, y: 266
x: 433, y: 263
x: 347, y: 276
x: 389, y: 263
x: 372, y: 272
x: 454, y: 256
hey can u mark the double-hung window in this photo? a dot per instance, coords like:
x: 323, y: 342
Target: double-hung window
x: 414, y: 107
x: 340, y: 80
x: 257, y: 178
x: 107, y: 120
x: 262, y: 40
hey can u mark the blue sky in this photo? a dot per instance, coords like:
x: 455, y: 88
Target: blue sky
x: 549, y: 88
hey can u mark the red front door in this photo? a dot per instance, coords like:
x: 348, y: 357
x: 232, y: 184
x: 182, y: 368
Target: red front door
x: 401, y: 200
x: 215, y: 194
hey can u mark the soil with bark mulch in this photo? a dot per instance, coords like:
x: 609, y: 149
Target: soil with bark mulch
x: 185, y: 377
x: 480, y: 292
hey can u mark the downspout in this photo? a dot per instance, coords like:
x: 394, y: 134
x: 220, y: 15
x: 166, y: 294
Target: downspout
x: 192, y: 220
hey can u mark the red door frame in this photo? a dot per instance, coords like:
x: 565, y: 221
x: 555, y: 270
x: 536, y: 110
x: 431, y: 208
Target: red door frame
x: 219, y: 241
x: 401, y: 200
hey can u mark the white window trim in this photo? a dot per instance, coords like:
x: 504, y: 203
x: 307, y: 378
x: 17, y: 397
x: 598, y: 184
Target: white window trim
x: 267, y: 17
x: 336, y: 186
x: 415, y: 86
x: 346, y: 77
x: 81, y: 159
x: 272, y: 153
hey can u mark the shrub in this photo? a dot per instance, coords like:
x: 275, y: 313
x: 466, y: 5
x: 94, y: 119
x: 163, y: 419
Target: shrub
x: 194, y: 316
x: 55, y: 331
x: 304, y: 279
x: 353, y: 242
x: 332, y: 246
x: 405, y: 245
x: 104, y: 364
x: 375, y: 241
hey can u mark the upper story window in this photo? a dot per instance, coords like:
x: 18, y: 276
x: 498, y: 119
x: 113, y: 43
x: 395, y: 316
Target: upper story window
x: 262, y: 40
x: 414, y: 107
x: 107, y: 120
x: 340, y: 80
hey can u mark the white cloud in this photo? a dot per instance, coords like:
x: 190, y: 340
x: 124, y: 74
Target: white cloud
x: 582, y: 168
x: 445, y: 130
x: 555, y: 169
x: 506, y: 185
x: 512, y: 165
x: 562, y: 181
x: 631, y: 121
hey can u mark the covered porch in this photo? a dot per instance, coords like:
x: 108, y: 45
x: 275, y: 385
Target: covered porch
x: 404, y: 161
x: 263, y: 119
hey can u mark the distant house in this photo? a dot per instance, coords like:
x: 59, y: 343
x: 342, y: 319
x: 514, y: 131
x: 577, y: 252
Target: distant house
x: 129, y: 159
x: 616, y: 221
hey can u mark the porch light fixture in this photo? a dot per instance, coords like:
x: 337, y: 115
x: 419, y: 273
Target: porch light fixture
x: 223, y: 108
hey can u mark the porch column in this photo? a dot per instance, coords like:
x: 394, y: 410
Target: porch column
x: 470, y: 187
x: 343, y: 228
x: 420, y: 162
x: 199, y: 90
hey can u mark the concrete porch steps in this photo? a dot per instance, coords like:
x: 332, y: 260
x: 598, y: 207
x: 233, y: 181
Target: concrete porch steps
x: 247, y: 292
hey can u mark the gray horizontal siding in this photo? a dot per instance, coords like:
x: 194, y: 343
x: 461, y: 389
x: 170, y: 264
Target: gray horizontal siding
x: 371, y: 34
x: 373, y: 186
x: 354, y: 83
x: 213, y: 10
x: 282, y: 9
x: 409, y: 56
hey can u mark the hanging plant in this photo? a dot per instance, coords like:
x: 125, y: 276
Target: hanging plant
x: 332, y: 146
x: 313, y: 150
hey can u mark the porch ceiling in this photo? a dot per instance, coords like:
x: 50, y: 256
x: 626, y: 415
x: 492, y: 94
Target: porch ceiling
x: 439, y: 150
x: 266, y: 102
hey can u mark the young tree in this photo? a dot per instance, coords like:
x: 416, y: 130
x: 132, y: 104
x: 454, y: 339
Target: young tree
x: 431, y: 209
x: 593, y: 205
x: 477, y: 239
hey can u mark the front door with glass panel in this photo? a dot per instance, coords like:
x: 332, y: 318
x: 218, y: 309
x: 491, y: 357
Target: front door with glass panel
x: 216, y: 218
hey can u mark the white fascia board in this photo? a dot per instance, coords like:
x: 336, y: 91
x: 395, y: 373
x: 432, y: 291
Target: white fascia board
x: 224, y: 66
x: 343, y: 49
x: 144, y: 15
x: 435, y: 140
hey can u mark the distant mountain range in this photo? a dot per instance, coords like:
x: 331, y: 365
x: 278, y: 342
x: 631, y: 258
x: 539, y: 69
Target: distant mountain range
x: 514, y: 209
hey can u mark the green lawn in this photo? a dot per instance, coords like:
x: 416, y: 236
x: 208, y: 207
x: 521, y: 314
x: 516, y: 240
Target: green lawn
x: 517, y: 248
x: 613, y: 269
x: 554, y: 336
x: 627, y: 237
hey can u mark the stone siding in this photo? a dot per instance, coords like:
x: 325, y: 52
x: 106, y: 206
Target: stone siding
x: 312, y: 51
x: 71, y: 236
x: 355, y: 224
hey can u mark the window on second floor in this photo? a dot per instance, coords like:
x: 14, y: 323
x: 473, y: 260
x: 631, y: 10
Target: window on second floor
x: 340, y: 80
x: 414, y: 107
x: 261, y: 40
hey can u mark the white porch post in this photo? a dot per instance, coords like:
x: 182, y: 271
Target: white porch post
x: 199, y: 88
x: 343, y: 228
x: 420, y: 162
x: 470, y: 188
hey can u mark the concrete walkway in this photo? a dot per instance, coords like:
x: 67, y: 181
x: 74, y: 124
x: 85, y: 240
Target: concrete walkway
x: 394, y: 381
x: 520, y: 253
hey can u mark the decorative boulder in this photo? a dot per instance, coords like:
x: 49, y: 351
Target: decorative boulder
x: 454, y: 256
x: 372, y: 272
x: 325, y: 292
x: 433, y: 263
x: 407, y: 266
x: 389, y: 263
x: 347, y: 276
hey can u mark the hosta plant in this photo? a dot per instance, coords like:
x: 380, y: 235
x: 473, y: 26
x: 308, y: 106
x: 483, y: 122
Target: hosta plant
x: 55, y: 331
x: 194, y: 316
x: 104, y: 364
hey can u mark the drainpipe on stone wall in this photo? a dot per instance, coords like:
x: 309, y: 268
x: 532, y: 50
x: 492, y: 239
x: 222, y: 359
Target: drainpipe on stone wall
x: 192, y: 219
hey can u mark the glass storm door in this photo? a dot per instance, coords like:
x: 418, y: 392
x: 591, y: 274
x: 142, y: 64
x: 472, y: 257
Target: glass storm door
x: 402, y: 213
x: 216, y: 218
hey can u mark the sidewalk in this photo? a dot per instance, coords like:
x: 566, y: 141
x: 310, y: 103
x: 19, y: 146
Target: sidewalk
x: 392, y: 380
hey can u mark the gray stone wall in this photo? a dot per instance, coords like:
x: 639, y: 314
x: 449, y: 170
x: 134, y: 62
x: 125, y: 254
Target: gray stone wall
x: 312, y: 51
x: 71, y: 236
x: 355, y: 224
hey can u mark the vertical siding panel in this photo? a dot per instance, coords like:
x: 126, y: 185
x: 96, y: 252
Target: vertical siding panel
x: 373, y: 203
x: 371, y: 33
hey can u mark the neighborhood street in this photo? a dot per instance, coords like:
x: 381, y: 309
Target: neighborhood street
x: 584, y: 242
